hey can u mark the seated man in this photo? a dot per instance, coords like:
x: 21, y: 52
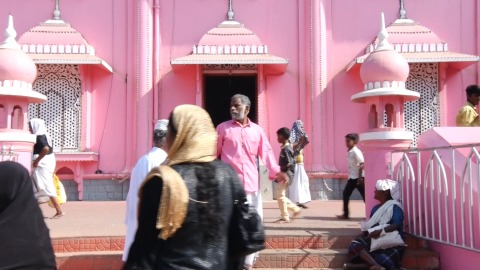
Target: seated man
x: 468, y: 115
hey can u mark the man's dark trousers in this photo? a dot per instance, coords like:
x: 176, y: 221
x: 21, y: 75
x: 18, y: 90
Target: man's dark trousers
x: 352, y: 184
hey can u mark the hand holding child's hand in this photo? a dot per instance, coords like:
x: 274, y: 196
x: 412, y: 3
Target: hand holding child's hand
x: 282, y: 178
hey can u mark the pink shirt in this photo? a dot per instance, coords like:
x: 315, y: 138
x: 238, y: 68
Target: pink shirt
x: 240, y: 146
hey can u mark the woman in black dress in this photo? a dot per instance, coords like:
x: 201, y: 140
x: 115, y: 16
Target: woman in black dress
x: 24, y: 238
x: 185, y: 208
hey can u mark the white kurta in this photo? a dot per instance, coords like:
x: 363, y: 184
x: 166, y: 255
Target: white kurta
x: 144, y: 165
x: 43, y: 175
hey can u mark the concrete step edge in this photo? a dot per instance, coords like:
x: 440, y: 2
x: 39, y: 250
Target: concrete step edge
x: 321, y: 251
x: 88, y: 253
x: 302, y: 268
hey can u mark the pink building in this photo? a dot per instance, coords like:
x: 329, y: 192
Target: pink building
x: 110, y: 69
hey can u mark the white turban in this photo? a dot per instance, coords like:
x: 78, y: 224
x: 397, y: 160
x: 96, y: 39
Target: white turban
x: 388, y: 184
x: 161, y: 125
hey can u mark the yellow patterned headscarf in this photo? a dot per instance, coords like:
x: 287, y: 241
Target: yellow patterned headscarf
x: 195, y: 141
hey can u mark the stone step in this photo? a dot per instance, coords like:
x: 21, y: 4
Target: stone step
x: 268, y: 259
x: 83, y: 244
x: 99, y: 260
x: 302, y: 258
x: 335, y: 258
x: 302, y: 268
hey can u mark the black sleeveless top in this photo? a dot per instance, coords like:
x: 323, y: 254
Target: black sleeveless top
x: 40, y: 144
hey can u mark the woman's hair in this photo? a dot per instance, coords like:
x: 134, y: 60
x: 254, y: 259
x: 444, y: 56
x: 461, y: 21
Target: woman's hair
x: 209, y: 213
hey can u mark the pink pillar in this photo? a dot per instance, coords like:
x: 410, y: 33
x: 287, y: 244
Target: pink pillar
x: 377, y: 164
x: 262, y: 100
x: 143, y: 87
x: 156, y: 59
x: 318, y: 69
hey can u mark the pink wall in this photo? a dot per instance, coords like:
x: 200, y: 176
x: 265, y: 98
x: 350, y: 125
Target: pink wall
x: 105, y: 25
x: 350, y: 25
x: 463, y: 259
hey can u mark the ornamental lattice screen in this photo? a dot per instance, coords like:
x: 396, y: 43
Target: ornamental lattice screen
x: 424, y: 113
x: 62, y: 111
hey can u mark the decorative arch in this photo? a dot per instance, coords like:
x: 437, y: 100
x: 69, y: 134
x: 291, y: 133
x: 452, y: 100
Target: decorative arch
x: 17, y: 118
x: 3, y: 117
x: 390, y: 121
x: 63, y: 110
x: 373, y: 117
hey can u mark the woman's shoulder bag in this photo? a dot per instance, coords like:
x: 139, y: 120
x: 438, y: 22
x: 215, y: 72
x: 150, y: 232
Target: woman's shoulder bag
x: 246, y: 232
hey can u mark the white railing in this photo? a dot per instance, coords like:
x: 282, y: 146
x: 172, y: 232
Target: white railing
x: 440, y: 193
x: 8, y: 154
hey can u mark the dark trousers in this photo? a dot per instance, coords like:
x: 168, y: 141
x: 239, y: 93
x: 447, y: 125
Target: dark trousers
x: 352, y: 184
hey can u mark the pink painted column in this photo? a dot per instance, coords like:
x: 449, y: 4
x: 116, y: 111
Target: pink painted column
x: 198, y: 86
x: 377, y: 164
x: 86, y: 75
x: 143, y: 76
x: 262, y: 100
x: 318, y: 85
x: 156, y: 59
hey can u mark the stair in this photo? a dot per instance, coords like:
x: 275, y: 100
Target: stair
x: 283, y: 252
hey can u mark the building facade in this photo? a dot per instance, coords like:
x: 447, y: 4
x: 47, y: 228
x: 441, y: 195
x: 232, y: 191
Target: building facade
x: 110, y: 69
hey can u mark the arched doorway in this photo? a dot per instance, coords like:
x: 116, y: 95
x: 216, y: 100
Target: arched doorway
x: 220, y: 88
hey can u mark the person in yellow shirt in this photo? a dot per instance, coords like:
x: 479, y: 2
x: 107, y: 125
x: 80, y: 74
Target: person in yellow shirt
x: 468, y: 115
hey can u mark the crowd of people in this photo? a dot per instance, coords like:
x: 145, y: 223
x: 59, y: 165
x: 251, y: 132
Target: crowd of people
x: 182, y: 196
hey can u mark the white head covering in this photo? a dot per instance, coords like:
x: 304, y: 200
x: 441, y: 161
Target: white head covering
x: 39, y: 128
x: 161, y: 125
x: 388, y: 184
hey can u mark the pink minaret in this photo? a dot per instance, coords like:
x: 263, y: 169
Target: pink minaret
x: 17, y: 73
x: 384, y: 74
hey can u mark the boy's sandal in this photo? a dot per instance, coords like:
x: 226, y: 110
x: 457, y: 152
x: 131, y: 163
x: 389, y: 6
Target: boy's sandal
x: 296, y: 214
x: 281, y: 221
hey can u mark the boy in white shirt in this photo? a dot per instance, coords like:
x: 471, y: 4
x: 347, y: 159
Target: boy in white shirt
x: 355, y: 173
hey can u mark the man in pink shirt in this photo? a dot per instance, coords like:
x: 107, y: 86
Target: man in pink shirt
x: 240, y: 143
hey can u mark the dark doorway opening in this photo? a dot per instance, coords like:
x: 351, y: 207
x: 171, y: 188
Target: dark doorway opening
x: 220, y: 89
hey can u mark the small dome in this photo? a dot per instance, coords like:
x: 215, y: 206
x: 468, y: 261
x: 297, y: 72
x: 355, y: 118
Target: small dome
x: 15, y: 65
x: 387, y: 65
x: 384, y: 73
x: 384, y: 63
x: 230, y: 33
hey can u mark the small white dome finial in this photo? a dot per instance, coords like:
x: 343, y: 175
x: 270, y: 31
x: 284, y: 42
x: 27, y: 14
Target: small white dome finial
x: 383, y: 37
x: 56, y: 12
x: 10, y: 35
x: 230, y: 14
x: 403, y: 12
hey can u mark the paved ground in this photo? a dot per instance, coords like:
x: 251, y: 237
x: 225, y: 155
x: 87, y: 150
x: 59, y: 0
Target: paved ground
x: 94, y: 219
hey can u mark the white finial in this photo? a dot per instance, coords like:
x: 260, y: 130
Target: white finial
x: 382, y: 37
x: 230, y: 13
x: 403, y: 12
x: 56, y: 12
x: 10, y: 35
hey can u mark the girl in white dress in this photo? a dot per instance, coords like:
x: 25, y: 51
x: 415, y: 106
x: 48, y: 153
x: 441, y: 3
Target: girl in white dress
x: 300, y: 187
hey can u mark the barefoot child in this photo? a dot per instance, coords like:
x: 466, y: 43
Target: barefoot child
x: 287, y: 165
